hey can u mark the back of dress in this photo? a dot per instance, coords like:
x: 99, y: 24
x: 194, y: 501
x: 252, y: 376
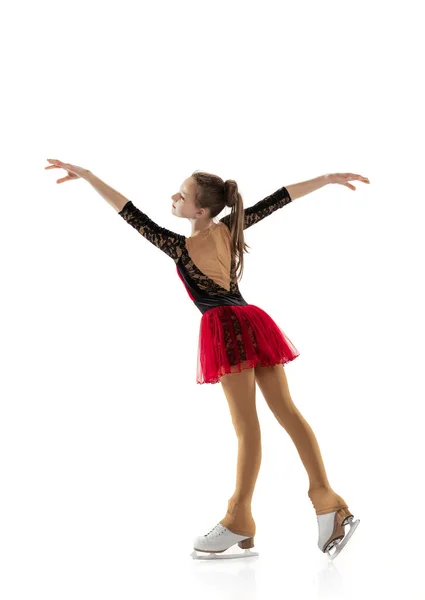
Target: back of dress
x: 204, y: 260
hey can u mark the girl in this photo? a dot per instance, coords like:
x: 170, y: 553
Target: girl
x: 239, y: 344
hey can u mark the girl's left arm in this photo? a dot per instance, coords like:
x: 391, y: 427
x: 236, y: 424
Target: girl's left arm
x: 166, y: 240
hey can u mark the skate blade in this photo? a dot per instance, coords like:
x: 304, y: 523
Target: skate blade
x: 215, y: 556
x: 339, y: 546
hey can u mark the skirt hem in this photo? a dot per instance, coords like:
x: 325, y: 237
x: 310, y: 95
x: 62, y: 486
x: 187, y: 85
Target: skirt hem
x: 234, y: 338
x: 217, y: 379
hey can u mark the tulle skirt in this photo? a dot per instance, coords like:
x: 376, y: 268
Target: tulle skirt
x: 233, y: 338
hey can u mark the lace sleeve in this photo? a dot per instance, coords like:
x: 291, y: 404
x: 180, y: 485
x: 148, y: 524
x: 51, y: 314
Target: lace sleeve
x: 169, y: 242
x: 263, y: 208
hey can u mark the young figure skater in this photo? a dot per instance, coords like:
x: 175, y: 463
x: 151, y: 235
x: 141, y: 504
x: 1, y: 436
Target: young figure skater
x: 239, y: 344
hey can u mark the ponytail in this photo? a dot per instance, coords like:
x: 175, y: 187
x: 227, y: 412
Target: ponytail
x: 234, y: 199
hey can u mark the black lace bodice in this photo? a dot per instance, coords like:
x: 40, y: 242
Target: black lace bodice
x: 205, y: 292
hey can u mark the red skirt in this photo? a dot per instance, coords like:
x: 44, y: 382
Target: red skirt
x: 233, y: 338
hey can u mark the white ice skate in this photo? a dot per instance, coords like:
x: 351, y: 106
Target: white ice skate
x: 332, y: 533
x: 220, y: 539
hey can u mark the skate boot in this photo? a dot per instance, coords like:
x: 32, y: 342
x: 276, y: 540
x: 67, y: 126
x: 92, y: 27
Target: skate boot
x: 218, y: 540
x: 332, y: 533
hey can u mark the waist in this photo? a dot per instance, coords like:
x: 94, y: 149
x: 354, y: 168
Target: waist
x: 205, y: 304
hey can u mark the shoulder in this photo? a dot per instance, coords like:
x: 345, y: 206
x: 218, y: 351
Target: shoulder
x: 223, y: 228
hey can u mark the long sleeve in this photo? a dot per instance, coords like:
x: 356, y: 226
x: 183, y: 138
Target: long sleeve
x: 168, y: 241
x: 263, y: 208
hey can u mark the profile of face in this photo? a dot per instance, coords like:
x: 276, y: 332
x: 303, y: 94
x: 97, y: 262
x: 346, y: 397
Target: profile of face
x: 183, y: 202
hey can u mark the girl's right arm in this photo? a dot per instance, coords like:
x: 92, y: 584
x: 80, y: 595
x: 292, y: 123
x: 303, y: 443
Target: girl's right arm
x: 263, y: 208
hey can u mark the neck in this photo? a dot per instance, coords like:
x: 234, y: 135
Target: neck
x: 205, y: 227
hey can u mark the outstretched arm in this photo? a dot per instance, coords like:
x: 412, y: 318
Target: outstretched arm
x: 263, y: 208
x: 305, y: 187
x: 168, y: 241
x: 284, y: 195
x: 112, y: 197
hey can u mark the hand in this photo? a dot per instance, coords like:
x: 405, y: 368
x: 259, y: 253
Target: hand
x: 344, y: 178
x: 74, y: 172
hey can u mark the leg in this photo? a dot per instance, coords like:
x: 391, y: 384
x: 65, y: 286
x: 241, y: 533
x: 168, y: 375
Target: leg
x: 239, y: 389
x: 274, y: 387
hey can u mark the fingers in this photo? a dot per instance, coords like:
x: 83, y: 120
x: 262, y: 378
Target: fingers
x: 57, y: 164
x: 361, y: 178
x: 350, y: 176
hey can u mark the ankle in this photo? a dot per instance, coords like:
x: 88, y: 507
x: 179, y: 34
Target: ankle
x: 325, y: 500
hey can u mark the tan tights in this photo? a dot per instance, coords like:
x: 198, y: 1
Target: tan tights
x: 239, y: 389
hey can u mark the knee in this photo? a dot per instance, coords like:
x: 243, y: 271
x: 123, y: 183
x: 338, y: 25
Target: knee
x: 284, y: 407
x: 248, y: 428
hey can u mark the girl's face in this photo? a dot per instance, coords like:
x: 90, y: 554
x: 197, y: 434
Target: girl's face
x: 183, y: 202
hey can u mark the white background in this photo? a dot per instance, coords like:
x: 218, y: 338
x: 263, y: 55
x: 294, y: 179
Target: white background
x: 112, y: 458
